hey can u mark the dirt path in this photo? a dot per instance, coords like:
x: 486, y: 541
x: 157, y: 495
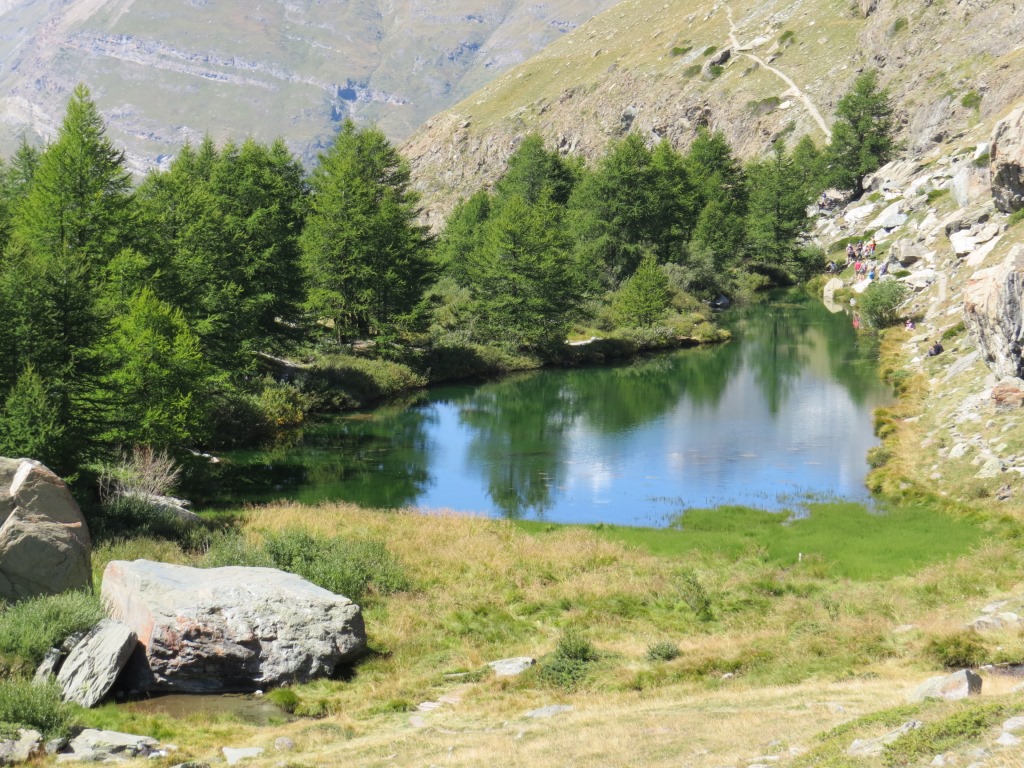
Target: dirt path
x: 793, y: 87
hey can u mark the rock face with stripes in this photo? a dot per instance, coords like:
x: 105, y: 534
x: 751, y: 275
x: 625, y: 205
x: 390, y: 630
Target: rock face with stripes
x: 228, y: 629
x: 45, y: 546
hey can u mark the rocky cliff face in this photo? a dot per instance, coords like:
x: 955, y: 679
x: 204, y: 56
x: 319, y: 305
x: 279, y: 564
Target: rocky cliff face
x: 166, y: 72
x: 645, y: 67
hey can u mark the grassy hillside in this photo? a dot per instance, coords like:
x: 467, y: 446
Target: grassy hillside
x: 645, y: 67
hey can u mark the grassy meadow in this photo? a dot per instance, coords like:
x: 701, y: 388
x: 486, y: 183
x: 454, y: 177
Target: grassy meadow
x: 733, y: 635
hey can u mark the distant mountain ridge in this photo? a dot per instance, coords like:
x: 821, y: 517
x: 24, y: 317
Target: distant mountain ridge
x: 167, y: 71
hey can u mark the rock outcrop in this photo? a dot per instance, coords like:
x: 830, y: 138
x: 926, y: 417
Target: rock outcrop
x: 228, y: 629
x: 93, y: 666
x: 1006, y: 158
x: 44, y: 542
x: 958, y: 685
x: 993, y: 313
x: 27, y: 746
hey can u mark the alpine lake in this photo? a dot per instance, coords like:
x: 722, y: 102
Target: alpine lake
x: 776, y: 417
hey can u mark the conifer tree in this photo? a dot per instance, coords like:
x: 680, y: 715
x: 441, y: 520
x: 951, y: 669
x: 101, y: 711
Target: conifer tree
x: 363, y: 254
x: 645, y: 297
x: 862, y: 135
x: 776, y: 211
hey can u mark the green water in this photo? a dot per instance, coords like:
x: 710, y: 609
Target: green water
x: 781, y: 412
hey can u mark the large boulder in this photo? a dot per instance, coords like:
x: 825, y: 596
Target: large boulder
x: 44, y: 542
x: 993, y: 314
x: 93, y: 666
x: 228, y: 629
x: 953, y: 687
x: 970, y: 184
x: 1006, y: 161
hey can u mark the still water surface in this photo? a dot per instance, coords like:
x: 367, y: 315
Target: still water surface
x: 781, y: 411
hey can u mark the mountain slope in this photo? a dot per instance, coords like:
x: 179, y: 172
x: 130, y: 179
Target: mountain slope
x: 166, y: 72
x: 647, y: 66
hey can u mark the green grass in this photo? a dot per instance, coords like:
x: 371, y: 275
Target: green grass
x: 962, y: 727
x: 852, y: 541
x: 30, y: 628
x: 971, y: 100
x: 39, y: 707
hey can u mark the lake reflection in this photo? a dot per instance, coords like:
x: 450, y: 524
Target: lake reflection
x: 784, y: 409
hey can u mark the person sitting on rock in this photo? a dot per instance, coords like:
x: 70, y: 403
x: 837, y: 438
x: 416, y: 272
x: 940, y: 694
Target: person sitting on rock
x: 910, y: 324
x: 936, y: 349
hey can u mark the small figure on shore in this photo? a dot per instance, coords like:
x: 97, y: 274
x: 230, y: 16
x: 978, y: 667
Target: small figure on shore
x: 936, y: 349
x: 910, y: 324
x: 856, y: 321
x: 849, y: 254
x: 871, y: 247
x: 832, y: 267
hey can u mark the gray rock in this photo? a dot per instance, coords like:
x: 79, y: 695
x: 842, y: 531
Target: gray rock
x: 49, y: 666
x: 44, y: 542
x: 94, y: 745
x: 1006, y: 160
x: 28, y: 746
x: 993, y: 314
x: 229, y: 629
x: 963, y: 243
x: 890, y: 218
x: 92, y: 667
x: 283, y: 744
x: 993, y: 467
x: 511, y: 667
x: 236, y: 755
x: 549, y: 711
x: 53, y: 746
x: 1007, y: 740
x: 958, y: 685
x: 871, y: 747
x: 970, y: 184
x: 920, y: 279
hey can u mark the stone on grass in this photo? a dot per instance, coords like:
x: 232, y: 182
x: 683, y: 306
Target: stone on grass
x: 93, y: 666
x: 28, y: 746
x: 93, y: 745
x: 511, y: 667
x: 958, y: 685
x: 549, y: 711
x: 871, y: 747
x: 44, y: 542
x: 229, y: 629
x: 235, y: 755
x: 1014, y: 724
x: 1007, y: 739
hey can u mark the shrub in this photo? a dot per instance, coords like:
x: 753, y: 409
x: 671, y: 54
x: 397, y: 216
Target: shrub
x: 881, y: 302
x: 951, y: 732
x: 663, y: 651
x: 899, y: 379
x: 692, y: 70
x: 681, y: 50
x: 956, y: 330
x: 958, y: 650
x: 348, y: 567
x: 39, y: 707
x: 1015, y: 218
x: 982, y: 160
x: 285, y: 698
x: 971, y: 100
x: 787, y: 38
x: 693, y: 593
x: 899, y: 25
x: 570, y: 663
x: 878, y: 456
x: 709, y: 50
x: 715, y: 70
x: 935, y: 194
x: 30, y: 628
x: 347, y: 381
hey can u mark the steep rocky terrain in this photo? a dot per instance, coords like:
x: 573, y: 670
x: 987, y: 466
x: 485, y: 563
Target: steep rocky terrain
x: 166, y: 72
x: 652, y: 67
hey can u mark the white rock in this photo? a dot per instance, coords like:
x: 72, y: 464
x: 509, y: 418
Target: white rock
x: 963, y: 243
x: 958, y: 685
x: 1007, y: 740
x: 235, y: 755
x: 1014, y: 724
x: 890, y: 218
x: 511, y: 667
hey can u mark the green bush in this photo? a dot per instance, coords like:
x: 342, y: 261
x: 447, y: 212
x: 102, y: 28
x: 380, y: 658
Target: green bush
x: 663, y: 651
x: 982, y: 160
x: 681, y: 50
x: 30, y: 628
x: 692, y: 71
x: 958, y: 650
x: 715, y: 70
x: 881, y: 302
x: 285, y: 698
x: 38, y: 707
x: 971, y: 100
x: 1015, y: 218
x: 787, y: 37
x: 951, y: 732
x: 935, y: 194
x: 570, y: 664
x: 349, y: 567
x: 693, y: 593
x: 348, y: 381
x: 899, y: 25
x: 956, y: 330
x: 878, y: 456
x: 709, y: 50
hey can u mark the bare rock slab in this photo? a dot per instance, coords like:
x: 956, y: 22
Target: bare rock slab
x: 958, y: 685
x: 1007, y: 162
x: 28, y: 746
x: 96, y: 746
x: 872, y: 747
x: 93, y: 666
x: 45, y: 547
x: 511, y: 667
x: 229, y: 629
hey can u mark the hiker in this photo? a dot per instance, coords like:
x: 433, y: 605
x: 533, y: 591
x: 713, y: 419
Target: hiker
x: 849, y: 254
x: 936, y: 349
x: 832, y: 268
x: 910, y: 324
x: 872, y: 246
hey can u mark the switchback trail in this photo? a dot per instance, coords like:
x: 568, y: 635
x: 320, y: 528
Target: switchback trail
x: 794, y: 88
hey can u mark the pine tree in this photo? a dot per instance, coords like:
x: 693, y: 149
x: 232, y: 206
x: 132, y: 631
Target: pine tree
x: 30, y: 425
x: 534, y: 174
x: 862, y: 135
x: 776, y: 212
x: 645, y: 297
x: 364, y: 256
